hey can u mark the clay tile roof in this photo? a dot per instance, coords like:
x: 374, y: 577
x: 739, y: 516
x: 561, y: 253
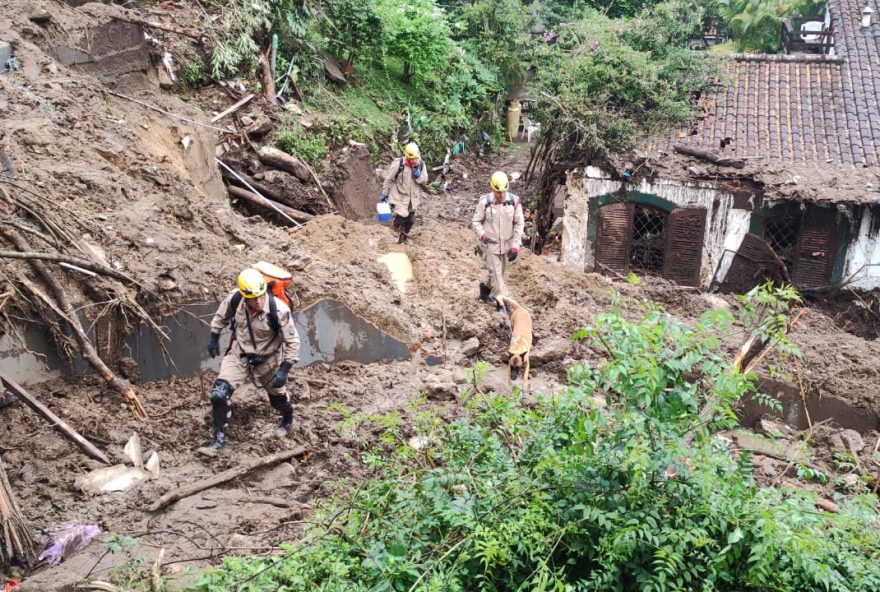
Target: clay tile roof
x: 799, y: 108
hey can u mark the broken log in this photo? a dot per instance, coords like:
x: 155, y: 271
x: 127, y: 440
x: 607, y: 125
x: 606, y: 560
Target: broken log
x: 736, y: 163
x: 258, y: 200
x: 64, y: 309
x: 278, y: 159
x: 55, y: 421
x: 16, y: 541
x: 242, y: 179
x: 224, y: 477
x: 233, y: 108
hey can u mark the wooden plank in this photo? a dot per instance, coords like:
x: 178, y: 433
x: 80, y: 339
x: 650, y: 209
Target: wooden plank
x: 233, y: 108
x: 56, y: 422
x: 233, y: 473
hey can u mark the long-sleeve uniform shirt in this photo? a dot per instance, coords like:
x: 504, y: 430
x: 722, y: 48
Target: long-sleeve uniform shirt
x: 238, y: 367
x: 403, y: 190
x: 502, y: 223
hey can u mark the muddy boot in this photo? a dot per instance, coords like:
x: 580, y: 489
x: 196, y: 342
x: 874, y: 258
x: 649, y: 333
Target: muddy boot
x: 403, y: 239
x: 220, y: 395
x: 215, y: 447
x: 485, y: 291
x: 280, y: 403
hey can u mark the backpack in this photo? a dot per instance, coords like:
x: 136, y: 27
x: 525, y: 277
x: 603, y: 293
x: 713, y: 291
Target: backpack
x: 278, y: 280
x: 399, y: 169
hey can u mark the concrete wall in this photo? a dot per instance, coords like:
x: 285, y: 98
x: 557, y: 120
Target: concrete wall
x: 863, y: 254
x: 725, y: 225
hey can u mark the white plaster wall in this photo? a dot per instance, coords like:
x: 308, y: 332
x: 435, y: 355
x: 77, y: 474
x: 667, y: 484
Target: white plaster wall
x: 738, y: 222
x: 725, y: 226
x: 863, y: 257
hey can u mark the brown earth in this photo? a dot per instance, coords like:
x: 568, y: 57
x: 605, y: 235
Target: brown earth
x: 118, y: 172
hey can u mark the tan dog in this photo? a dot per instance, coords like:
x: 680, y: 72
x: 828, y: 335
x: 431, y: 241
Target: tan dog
x: 520, y: 340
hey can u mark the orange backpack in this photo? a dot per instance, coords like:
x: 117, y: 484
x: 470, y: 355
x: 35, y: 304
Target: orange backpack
x: 278, y: 279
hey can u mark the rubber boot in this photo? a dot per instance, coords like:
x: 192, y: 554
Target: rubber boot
x: 485, y: 291
x: 403, y: 239
x: 283, y: 406
x: 220, y: 414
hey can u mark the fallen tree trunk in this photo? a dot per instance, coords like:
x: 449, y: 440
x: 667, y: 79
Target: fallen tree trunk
x: 275, y: 158
x: 736, y: 163
x: 64, y: 309
x: 16, y: 541
x: 257, y: 200
x: 233, y: 473
x: 58, y: 423
x: 267, y: 192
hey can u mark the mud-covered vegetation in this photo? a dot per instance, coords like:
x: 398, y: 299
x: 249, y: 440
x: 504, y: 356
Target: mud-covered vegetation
x: 620, y: 483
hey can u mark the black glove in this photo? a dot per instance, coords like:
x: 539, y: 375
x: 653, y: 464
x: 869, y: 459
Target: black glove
x: 214, y: 345
x: 512, y: 253
x: 279, y: 379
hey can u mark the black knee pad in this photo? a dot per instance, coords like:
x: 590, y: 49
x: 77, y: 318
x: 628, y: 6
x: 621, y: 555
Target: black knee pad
x: 279, y: 402
x: 221, y: 391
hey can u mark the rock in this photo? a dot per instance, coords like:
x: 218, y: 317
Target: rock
x: 182, y: 212
x: 773, y: 427
x: 550, y: 350
x: 247, y: 121
x: 293, y: 107
x: 129, y: 369
x: 459, y: 376
x: 259, y: 131
x: 40, y: 16
x: 852, y: 440
x: 284, y: 475
x: 470, y: 347
x: 850, y: 482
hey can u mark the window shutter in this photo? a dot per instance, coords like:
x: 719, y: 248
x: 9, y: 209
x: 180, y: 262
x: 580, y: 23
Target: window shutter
x: 816, y: 249
x: 684, y: 246
x: 753, y: 264
x: 615, y: 231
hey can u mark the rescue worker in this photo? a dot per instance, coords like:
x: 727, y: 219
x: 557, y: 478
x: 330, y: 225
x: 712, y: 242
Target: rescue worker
x: 402, y: 189
x: 265, y: 347
x: 498, y: 223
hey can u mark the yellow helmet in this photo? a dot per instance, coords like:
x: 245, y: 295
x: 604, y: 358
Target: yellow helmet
x: 251, y: 283
x: 411, y: 150
x: 499, y: 181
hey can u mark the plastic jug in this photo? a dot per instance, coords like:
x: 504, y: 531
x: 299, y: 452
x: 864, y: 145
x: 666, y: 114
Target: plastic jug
x: 383, y: 211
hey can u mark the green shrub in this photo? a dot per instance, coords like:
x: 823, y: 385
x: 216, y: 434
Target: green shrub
x: 308, y: 148
x: 594, y: 489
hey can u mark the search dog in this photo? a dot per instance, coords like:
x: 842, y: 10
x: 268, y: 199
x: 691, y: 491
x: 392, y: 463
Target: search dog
x: 520, y: 340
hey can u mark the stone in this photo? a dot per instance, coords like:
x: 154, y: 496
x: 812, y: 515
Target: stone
x: 247, y: 121
x: 773, y: 427
x: 470, y: 347
x: 293, y: 107
x: 850, y: 482
x: 40, y: 16
x: 852, y: 440
x: 554, y: 349
x: 5, y: 54
x: 459, y: 376
x: 284, y: 475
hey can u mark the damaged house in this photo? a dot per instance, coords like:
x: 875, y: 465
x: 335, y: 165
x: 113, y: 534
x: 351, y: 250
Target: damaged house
x: 779, y: 178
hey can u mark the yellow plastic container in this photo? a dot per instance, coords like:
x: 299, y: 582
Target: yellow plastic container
x: 513, y: 114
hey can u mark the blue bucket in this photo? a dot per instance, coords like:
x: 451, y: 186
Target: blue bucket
x: 383, y: 212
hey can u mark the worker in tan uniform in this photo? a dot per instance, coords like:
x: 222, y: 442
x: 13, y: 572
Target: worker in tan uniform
x: 498, y: 223
x: 402, y: 189
x: 265, y: 347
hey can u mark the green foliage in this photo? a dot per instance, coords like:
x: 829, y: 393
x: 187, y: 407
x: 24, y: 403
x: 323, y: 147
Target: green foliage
x: 194, y: 73
x: 132, y: 575
x: 765, y: 314
x: 755, y: 24
x: 594, y: 489
x: 605, y: 82
x: 354, y: 25
x: 294, y: 140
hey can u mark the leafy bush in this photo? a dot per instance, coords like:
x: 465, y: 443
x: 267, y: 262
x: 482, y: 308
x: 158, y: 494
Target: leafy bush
x: 606, y: 83
x: 308, y: 148
x: 595, y: 489
x: 755, y: 24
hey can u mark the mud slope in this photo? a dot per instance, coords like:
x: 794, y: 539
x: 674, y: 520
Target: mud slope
x: 138, y: 186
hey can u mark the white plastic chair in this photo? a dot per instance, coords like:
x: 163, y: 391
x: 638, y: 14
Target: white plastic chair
x: 529, y: 128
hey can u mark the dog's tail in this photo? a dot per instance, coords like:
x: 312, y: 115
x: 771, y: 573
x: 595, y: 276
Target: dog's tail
x: 508, y: 302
